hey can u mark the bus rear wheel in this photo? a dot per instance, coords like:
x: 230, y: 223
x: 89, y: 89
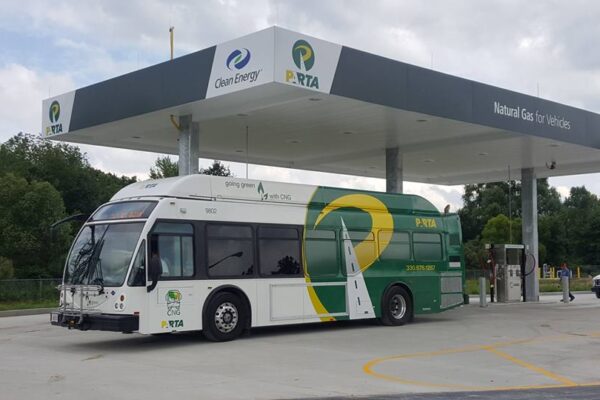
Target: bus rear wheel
x: 396, y: 307
x: 225, y: 317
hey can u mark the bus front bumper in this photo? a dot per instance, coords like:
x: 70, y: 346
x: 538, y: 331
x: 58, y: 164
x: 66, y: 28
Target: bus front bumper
x: 97, y: 322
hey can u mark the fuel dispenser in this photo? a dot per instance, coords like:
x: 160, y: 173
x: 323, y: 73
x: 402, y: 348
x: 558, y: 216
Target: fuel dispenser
x: 507, y: 265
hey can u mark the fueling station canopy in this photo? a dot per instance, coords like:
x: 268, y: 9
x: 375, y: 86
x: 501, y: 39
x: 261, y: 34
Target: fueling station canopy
x: 280, y: 98
x: 314, y: 105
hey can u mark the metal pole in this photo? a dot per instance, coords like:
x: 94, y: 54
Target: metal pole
x: 393, y: 170
x: 529, y: 215
x: 482, y: 294
x: 565, y: 289
x: 185, y: 124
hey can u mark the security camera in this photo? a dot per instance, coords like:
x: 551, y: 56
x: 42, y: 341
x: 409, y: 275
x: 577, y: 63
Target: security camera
x: 552, y: 165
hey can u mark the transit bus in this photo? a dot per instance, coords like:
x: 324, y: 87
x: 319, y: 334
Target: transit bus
x: 221, y: 255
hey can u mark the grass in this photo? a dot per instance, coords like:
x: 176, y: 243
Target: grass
x: 25, y: 305
x: 546, y: 285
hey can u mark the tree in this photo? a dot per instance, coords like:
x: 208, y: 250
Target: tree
x: 7, y: 271
x: 485, y: 201
x: 475, y: 254
x: 164, y: 167
x: 81, y: 187
x: 40, y: 183
x: 27, y: 209
x: 498, y: 230
x: 216, y: 168
x: 579, y: 208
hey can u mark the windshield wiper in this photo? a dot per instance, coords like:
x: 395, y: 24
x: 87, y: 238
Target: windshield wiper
x: 85, y: 259
x: 94, y: 274
x: 81, y: 263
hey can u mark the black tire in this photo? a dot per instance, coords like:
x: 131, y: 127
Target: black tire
x: 225, y: 317
x: 396, y: 307
x: 598, y: 294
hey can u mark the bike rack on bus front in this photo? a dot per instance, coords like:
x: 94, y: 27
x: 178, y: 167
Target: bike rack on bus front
x: 84, y: 291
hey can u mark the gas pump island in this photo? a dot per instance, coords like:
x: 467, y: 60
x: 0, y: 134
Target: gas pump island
x: 281, y: 98
x: 508, y: 269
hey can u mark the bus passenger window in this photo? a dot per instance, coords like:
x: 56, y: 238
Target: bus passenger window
x: 174, y: 244
x: 398, y: 247
x: 279, y: 251
x: 366, y: 241
x: 230, y: 250
x: 322, y: 253
x: 427, y: 246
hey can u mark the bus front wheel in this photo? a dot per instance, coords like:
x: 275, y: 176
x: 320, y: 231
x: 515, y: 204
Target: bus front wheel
x: 397, y: 308
x: 225, y: 317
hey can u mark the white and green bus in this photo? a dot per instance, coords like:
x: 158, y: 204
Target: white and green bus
x: 222, y: 255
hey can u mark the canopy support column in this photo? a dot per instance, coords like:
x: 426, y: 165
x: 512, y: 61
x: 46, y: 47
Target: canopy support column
x: 189, y: 146
x: 530, y: 233
x: 393, y: 170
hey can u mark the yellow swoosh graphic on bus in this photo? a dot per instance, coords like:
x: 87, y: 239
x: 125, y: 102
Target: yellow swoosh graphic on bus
x: 380, y: 219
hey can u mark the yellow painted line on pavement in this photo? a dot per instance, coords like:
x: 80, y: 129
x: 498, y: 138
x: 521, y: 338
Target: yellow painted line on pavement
x: 368, y: 368
x: 534, y: 368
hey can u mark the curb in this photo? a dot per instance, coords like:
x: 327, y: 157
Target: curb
x: 31, y: 311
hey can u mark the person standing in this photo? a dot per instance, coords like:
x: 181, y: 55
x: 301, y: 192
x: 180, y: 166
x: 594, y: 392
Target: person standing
x: 565, y: 271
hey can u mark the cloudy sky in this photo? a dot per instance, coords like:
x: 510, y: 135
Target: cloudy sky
x: 548, y: 48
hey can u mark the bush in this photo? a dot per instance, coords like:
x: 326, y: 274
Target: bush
x: 7, y: 271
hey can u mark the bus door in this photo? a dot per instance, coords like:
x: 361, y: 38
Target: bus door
x: 171, y: 297
x: 452, y: 281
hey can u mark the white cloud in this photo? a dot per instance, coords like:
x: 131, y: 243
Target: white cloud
x: 23, y: 90
x: 542, y: 46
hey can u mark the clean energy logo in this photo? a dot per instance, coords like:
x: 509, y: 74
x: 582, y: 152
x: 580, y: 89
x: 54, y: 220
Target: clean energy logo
x: 304, y: 58
x: 303, y: 55
x: 54, y: 111
x: 238, y: 59
x: 54, y: 114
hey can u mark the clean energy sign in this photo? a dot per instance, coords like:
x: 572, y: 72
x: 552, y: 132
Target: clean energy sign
x: 531, y: 116
x: 241, y: 64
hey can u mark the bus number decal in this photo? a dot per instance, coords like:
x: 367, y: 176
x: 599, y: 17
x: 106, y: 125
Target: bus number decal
x: 211, y: 210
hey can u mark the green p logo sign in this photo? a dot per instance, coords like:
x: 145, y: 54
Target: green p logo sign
x: 54, y: 111
x: 303, y: 55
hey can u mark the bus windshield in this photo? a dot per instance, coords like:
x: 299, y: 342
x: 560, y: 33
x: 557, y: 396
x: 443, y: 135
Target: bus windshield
x: 102, y: 253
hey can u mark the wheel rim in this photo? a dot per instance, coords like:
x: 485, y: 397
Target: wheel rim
x: 398, y: 306
x: 226, y: 317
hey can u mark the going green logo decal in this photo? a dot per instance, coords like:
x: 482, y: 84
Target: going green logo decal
x: 303, y: 55
x: 173, y: 298
x: 54, y: 111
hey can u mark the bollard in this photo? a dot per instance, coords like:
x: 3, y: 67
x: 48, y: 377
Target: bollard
x: 565, y: 289
x: 482, y: 293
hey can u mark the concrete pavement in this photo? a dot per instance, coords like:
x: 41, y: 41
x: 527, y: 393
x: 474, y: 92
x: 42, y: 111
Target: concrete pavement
x: 544, y: 346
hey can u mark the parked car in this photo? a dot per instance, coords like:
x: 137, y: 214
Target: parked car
x: 596, y: 287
